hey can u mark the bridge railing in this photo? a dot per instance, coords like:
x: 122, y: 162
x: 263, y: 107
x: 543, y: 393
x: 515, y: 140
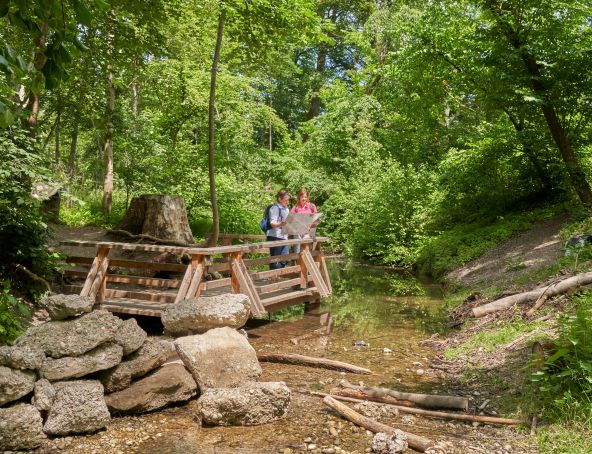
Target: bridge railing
x: 238, y: 268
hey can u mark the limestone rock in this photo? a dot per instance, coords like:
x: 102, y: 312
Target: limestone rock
x: 60, y: 307
x: 201, y: 314
x: 219, y: 358
x: 15, y: 384
x: 21, y: 357
x: 130, y: 336
x: 44, y: 395
x: 78, y: 407
x: 390, y: 444
x: 248, y: 405
x: 20, y: 428
x: 72, y: 337
x: 150, y: 356
x: 103, y: 357
x: 170, y: 383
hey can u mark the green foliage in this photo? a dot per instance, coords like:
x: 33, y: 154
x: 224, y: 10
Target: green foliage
x: 491, y: 339
x: 86, y: 210
x: 462, y: 243
x: 12, y: 313
x: 565, y: 382
x: 22, y: 230
x: 573, y: 438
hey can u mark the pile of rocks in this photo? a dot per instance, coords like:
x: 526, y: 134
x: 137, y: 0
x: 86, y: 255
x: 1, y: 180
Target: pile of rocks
x: 69, y: 374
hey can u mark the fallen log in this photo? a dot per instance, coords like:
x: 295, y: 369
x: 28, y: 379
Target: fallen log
x: 549, y: 291
x: 34, y: 277
x: 358, y: 394
x: 432, y: 413
x: 301, y: 360
x: 416, y: 442
x: 423, y: 400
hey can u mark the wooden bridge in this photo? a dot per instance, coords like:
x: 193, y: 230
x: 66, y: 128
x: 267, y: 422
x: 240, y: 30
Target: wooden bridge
x: 146, y: 285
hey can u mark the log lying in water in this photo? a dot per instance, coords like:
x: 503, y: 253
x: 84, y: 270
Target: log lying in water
x: 432, y: 413
x: 548, y: 292
x: 416, y: 442
x: 301, y: 360
x: 423, y: 400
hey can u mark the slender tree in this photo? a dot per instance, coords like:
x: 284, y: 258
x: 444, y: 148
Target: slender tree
x: 212, y: 130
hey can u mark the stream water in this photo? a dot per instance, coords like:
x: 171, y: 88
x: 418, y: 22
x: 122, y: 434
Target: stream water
x: 379, y: 317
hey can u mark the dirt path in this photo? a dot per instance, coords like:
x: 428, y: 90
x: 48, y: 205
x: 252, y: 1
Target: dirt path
x: 538, y: 247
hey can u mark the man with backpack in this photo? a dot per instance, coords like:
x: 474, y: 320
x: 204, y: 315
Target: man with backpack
x: 273, y: 220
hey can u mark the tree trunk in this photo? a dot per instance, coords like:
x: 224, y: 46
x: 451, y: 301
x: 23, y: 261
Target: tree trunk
x: 557, y: 130
x: 315, y: 102
x: 212, y: 132
x: 546, y: 292
x: 56, y: 155
x: 33, y: 103
x: 431, y: 413
x: 109, y: 111
x: 108, y: 145
x: 160, y: 216
x: 73, y: 147
x: 416, y: 442
x: 423, y: 400
x: 301, y: 360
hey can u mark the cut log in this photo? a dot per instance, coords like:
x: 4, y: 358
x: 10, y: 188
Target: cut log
x: 160, y: 216
x: 360, y: 395
x: 416, y: 442
x: 301, y: 360
x: 434, y: 414
x: 549, y: 291
x: 423, y: 400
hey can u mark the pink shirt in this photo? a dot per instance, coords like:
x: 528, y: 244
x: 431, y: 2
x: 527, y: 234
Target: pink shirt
x: 308, y: 208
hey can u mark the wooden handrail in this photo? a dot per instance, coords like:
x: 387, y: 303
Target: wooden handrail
x: 236, y: 259
x: 245, y: 248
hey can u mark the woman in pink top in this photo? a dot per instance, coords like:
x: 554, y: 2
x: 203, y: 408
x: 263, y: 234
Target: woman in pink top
x: 302, y: 204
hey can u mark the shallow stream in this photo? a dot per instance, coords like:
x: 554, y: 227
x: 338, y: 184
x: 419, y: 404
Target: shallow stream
x: 378, y: 316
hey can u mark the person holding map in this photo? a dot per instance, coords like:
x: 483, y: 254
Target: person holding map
x: 278, y: 213
x: 303, y: 205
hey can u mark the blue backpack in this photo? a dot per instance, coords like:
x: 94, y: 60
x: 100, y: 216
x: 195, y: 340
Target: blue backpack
x: 265, y: 223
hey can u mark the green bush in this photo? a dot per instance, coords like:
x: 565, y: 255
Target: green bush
x: 12, y: 313
x: 22, y: 231
x: 86, y: 210
x: 450, y: 249
x: 565, y: 381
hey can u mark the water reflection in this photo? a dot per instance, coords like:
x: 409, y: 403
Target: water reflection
x: 377, y: 301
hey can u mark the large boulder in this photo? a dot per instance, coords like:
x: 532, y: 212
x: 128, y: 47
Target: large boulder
x: 60, y: 307
x: 20, y: 428
x: 220, y: 358
x: 78, y: 407
x: 72, y: 337
x: 44, y: 395
x: 21, y: 357
x: 197, y: 315
x: 130, y: 336
x: 103, y: 357
x: 150, y: 356
x: 15, y: 384
x: 170, y: 383
x: 248, y: 405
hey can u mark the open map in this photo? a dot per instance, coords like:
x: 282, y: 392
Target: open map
x: 301, y: 223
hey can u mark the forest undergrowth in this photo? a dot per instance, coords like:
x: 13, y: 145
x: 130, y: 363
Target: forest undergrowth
x: 539, y: 368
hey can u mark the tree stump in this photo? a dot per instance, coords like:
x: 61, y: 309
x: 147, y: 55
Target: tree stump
x: 157, y: 215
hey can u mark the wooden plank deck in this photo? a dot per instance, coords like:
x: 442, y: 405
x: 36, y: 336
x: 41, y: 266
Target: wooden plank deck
x: 306, y: 280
